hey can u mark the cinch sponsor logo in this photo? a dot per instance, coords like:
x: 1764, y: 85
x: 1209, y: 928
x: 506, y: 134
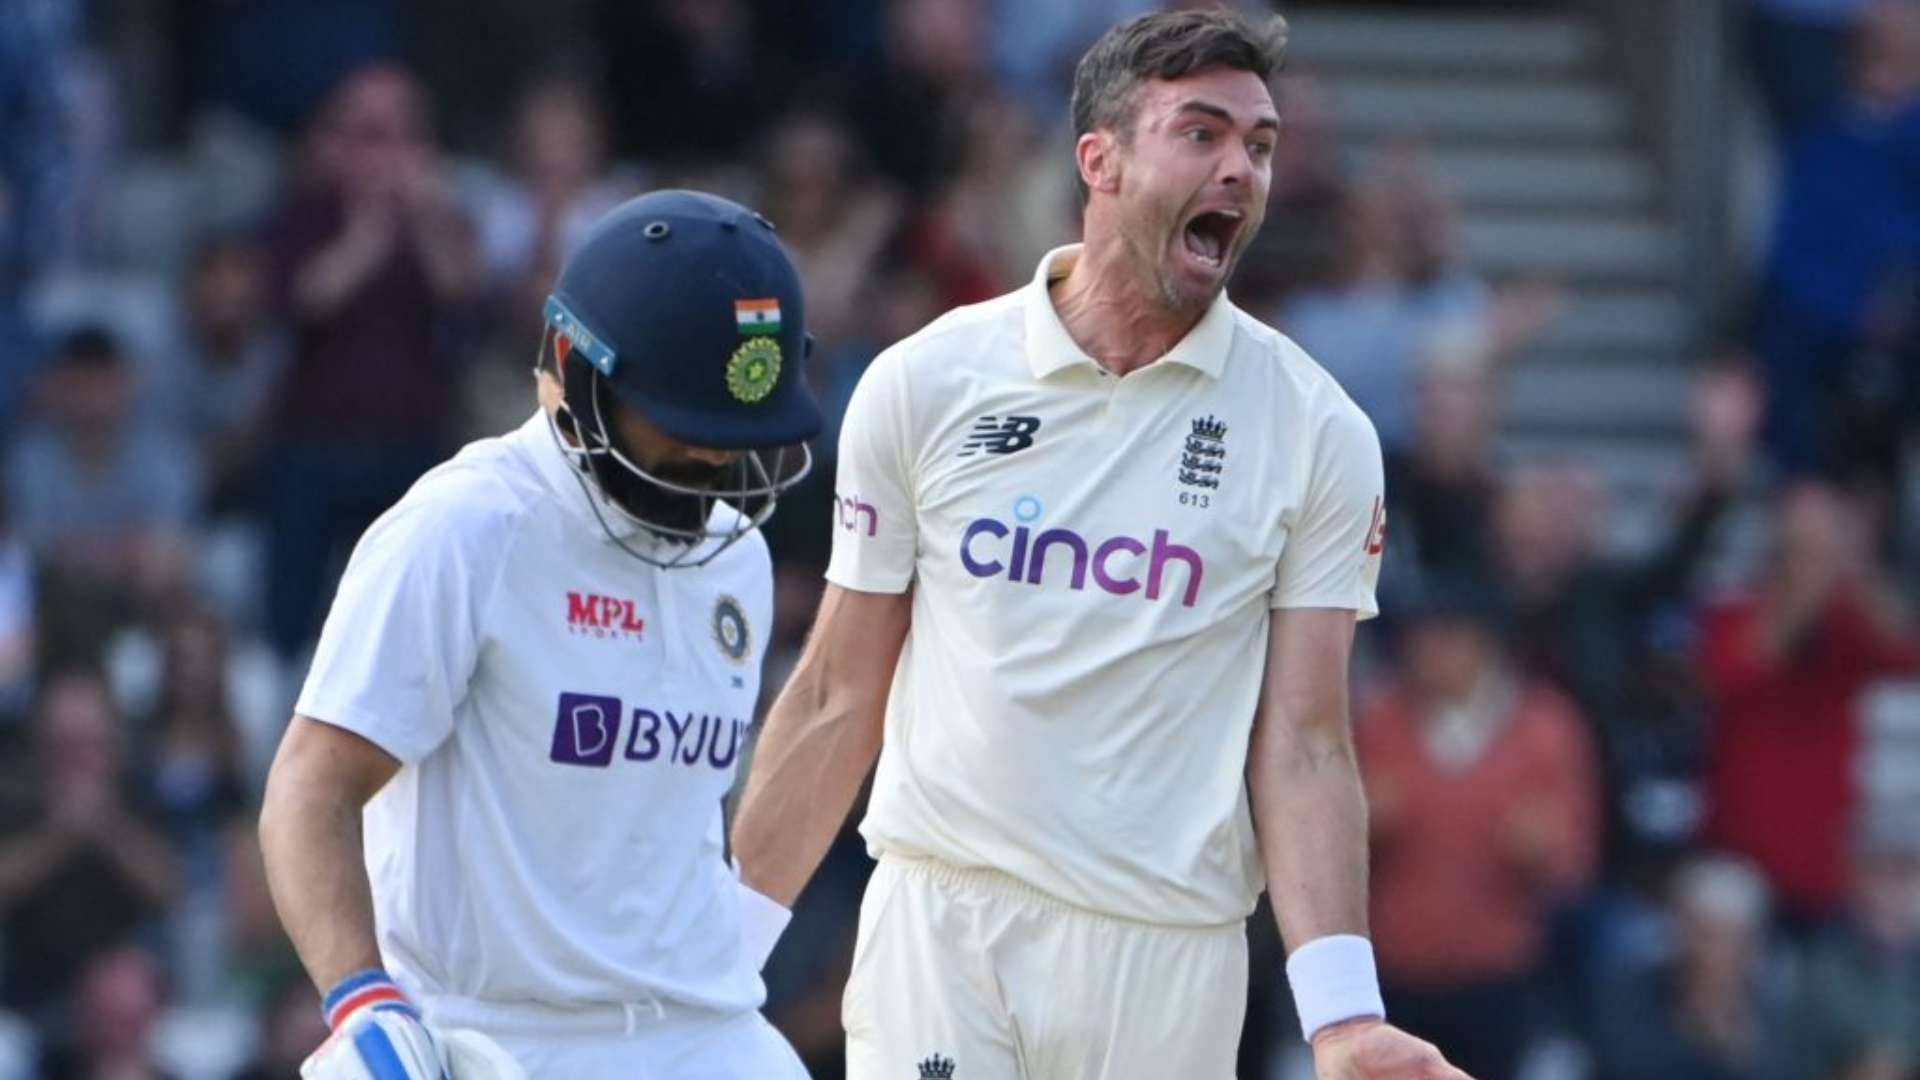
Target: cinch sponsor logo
x: 588, y: 732
x: 603, y: 616
x: 992, y: 548
x: 852, y: 510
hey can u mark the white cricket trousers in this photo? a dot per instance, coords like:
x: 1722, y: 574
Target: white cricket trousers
x: 1007, y: 983
x: 632, y: 1042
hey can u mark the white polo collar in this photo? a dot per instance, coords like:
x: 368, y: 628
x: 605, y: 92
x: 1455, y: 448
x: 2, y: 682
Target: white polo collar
x: 575, y: 490
x: 1050, y: 348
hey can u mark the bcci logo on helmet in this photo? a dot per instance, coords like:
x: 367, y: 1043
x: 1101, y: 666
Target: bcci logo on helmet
x: 753, y: 370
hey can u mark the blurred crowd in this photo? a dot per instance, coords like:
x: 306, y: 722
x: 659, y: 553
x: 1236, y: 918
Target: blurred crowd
x: 1639, y: 811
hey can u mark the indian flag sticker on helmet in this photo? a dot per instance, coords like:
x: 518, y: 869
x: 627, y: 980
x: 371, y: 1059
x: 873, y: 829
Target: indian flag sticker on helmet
x: 753, y: 369
x: 757, y: 316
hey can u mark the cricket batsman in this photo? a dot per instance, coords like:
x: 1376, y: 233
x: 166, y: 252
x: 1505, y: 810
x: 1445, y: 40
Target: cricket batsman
x: 1100, y: 547
x: 493, y: 829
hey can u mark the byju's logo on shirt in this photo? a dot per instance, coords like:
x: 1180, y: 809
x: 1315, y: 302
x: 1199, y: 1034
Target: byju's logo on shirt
x: 1000, y: 435
x: 590, y: 615
x: 587, y: 732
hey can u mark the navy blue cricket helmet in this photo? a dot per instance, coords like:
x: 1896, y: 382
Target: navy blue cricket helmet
x: 684, y: 307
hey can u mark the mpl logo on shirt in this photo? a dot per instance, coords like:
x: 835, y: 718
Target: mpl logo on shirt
x: 588, y: 731
x: 592, y: 615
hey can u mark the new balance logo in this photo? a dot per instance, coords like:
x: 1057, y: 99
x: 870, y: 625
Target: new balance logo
x: 1000, y: 435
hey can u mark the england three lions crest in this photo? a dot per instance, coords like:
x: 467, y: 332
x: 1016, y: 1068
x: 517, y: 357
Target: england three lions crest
x: 1204, y: 458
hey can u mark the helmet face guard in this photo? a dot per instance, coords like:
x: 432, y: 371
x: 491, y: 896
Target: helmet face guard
x: 681, y: 514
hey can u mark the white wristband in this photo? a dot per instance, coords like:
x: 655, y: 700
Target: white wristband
x: 1333, y: 979
x: 762, y: 921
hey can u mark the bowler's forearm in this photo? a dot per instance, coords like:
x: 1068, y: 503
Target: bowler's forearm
x: 1311, y: 815
x: 812, y: 757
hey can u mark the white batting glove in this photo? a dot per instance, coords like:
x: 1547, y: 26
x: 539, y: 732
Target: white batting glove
x: 377, y: 1035
x: 472, y: 1056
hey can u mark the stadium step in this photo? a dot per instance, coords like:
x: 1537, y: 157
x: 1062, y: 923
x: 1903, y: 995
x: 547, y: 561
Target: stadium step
x: 1524, y: 122
x: 1405, y: 41
x: 1642, y: 320
x: 1472, y: 108
x: 1634, y: 247
x: 1605, y: 178
x: 1608, y: 393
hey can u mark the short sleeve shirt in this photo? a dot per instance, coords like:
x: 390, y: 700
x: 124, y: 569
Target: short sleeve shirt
x: 1094, y: 560
x: 568, y: 719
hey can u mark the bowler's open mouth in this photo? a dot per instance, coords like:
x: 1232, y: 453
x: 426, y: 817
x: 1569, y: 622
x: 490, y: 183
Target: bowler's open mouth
x: 1210, y: 233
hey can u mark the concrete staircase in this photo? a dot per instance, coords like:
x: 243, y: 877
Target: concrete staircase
x: 1534, y: 132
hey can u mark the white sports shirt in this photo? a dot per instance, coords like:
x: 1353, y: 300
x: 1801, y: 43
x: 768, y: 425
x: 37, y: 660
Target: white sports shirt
x: 1093, y: 562
x: 568, y: 719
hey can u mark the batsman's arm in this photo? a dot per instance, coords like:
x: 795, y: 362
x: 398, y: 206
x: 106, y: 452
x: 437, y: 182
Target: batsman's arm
x: 1303, y: 779
x: 310, y: 838
x: 821, y: 738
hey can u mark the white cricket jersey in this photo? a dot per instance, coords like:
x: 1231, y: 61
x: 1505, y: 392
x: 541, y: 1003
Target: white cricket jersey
x: 1093, y: 561
x: 568, y: 719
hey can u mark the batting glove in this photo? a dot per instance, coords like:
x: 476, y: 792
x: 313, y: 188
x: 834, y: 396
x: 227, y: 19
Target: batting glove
x: 377, y: 1035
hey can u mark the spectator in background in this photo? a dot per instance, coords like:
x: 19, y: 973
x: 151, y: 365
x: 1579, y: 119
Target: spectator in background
x: 528, y: 218
x: 1442, y: 483
x: 102, y: 503
x: 79, y: 871
x: 371, y: 258
x: 18, y: 633
x: 1709, y: 1007
x: 1036, y: 43
x: 255, y: 959
x: 1354, y: 323
x: 191, y: 764
x: 35, y: 160
x: 557, y: 184
x: 1840, y: 274
x: 1301, y: 249
x: 1600, y: 626
x: 1799, y: 53
x: 293, y: 1026
x: 272, y: 62
x: 1484, y: 812
x: 1402, y: 282
x: 235, y: 358
x: 687, y: 80
x: 962, y: 239
x: 833, y: 216
x: 1784, y: 666
x: 1859, y: 1001
x: 912, y: 111
x: 118, y: 997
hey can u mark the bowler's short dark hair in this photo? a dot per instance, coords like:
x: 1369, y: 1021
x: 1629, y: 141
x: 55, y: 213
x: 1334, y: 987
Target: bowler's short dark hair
x: 1167, y: 45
